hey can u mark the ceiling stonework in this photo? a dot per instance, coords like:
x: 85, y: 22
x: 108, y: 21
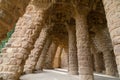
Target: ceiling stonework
x: 57, y: 12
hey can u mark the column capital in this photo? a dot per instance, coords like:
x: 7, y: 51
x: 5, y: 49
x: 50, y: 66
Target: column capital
x: 42, y: 4
x: 82, y: 6
x: 82, y: 11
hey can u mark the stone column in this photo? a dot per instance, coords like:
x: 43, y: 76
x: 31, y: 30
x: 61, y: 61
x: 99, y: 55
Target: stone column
x: 42, y: 58
x: 73, y: 59
x: 57, y: 60
x: 83, y: 48
x: 36, y: 52
x: 104, y: 44
x: 99, y: 62
x: 112, y: 10
x: 27, y: 30
x: 50, y: 56
x: 10, y: 11
x: 97, y: 55
x: 64, y: 58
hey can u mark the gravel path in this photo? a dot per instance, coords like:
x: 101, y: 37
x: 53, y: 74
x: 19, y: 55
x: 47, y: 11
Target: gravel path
x: 60, y: 74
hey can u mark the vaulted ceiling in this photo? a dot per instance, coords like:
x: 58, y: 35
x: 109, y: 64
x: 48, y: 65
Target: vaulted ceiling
x: 59, y: 12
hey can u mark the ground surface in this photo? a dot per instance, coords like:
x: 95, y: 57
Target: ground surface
x: 60, y: 74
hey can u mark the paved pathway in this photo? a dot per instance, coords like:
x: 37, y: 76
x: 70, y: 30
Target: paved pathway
x: 60, y: 74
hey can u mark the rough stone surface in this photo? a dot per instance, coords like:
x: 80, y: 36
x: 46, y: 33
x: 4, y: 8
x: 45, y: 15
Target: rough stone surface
x: 97, y: 57
x: 36, y: 52
x: 112, y: 9
x: 64, y: 58
x: 50, y: 56
x: 83, y: 47
x: 103, y: 42
x: 26, y: 32
x: 57, y: 59
x: 41, y: 61
x: 58, y: 13
x: 73, y: 58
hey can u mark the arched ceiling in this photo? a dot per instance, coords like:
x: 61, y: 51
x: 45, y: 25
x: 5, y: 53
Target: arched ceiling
x: 59, y: 12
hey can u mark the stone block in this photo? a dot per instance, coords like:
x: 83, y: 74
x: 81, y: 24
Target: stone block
x: 18, y: 55
x: 13, y: 61
x: 4, y: 50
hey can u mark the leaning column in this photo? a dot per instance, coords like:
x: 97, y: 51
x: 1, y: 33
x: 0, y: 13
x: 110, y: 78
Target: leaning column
x: 50, y: 56
x: 112, y: 10
x: 64, y: 58
x: 13, y: 61
x: 98, y: 60
x: 104, y: 44
x: 36, y: 52
x: 42, y: 57
x: 57, y: 60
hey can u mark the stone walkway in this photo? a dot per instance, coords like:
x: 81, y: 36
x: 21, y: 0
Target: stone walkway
x: 60, y: 74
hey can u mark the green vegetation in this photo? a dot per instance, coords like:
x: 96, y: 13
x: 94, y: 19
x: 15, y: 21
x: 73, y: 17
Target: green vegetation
x: 3, y: 42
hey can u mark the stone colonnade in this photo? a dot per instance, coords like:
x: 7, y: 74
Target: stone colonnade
x: 31, y: 40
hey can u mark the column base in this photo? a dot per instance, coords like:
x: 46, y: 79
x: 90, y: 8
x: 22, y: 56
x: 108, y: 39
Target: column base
x: 8, y: 76
x: 38, y: 69
x: 28, y: 72
x: 73, y: 73
x: 110, y: 72
x: 86, y: 77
